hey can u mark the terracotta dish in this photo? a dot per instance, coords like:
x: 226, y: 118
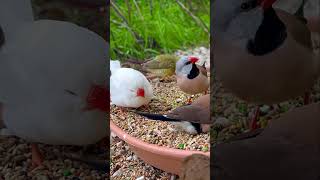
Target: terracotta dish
x: 164, y: 158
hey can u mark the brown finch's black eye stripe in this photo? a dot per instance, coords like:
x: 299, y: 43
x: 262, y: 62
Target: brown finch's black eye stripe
x: 187, y: 63
x: 71, y: 92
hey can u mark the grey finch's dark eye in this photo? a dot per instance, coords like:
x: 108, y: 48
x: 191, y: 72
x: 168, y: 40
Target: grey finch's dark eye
x: 70, y: 92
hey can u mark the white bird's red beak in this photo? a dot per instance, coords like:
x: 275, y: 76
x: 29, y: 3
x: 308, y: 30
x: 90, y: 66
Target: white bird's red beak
x: 140, y: 92
x: 98, y: 98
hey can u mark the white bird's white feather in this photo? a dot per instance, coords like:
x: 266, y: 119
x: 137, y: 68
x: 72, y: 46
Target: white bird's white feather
x: 124, y: 84
x: 114, y: 66
x: 14, y: 13
x: 60, y: 121
x: 42, y: 60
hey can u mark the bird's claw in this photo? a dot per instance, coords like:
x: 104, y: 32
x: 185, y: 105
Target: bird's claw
x: 254, y: 122
x: 189, y: 101
x: 37, y: 158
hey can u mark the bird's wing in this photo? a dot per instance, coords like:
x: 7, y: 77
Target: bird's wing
x: 290, y: 6
x: 297, y: 28
x: 203, y: 101
x: 294, y: 121
x: 117, y: 87
x: 191, y: 113
x: 249, y: 159
x: 78, y: 56
x: 202, y: 70
x: 279, y: 148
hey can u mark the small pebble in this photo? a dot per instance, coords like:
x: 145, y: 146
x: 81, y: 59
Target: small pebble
x: 264, y: 109
x: 135, y: 157
x: 140, y: 178
x: 117, y: 173
x: 222, y: 121
x: 173, y: 177
x: 129, y: 158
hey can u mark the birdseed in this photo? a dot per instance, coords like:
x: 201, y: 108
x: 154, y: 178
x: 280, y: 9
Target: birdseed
x: 15, y: 162
x: 167, y: 96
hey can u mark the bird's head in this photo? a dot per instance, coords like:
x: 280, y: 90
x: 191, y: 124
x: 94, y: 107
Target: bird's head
x: 185, y: 65
x: 238, y: 15
x: 251, y: 24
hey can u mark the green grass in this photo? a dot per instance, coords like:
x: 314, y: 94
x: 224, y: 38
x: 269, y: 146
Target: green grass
x: 168, y: 28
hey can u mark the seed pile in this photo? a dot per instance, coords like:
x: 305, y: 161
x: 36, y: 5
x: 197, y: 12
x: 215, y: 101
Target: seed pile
x: 167, y: 96
x: 126, y: 165
x: 123, y: 161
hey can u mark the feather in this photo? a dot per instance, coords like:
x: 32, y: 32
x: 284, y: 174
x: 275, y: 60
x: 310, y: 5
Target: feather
x: 158, y: 117
x: 114, y: 66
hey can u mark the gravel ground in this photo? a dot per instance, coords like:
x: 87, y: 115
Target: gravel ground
x: 15, y: 162
x: 124, y: 164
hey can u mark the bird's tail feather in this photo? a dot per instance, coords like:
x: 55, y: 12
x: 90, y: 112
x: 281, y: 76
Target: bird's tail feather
x: 13, y: 13
x: 114, y: 65
x: 158, y: 117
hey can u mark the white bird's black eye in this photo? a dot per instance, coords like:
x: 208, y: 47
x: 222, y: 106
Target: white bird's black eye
x: 70, y: 92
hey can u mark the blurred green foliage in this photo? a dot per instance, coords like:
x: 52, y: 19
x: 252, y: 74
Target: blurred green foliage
x: 151, y: 27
